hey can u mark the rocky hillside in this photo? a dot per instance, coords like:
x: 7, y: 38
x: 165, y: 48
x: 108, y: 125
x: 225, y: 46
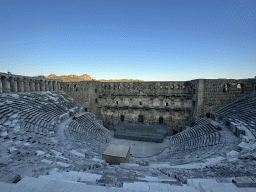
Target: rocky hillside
x: 85, y: 77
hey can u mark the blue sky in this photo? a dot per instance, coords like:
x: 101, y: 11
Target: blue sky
x: 151, y: 40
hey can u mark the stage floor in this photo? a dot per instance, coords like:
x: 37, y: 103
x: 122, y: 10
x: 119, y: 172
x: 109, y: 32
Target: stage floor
x: 141, y: 132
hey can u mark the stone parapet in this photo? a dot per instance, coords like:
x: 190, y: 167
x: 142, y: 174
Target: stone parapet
x: 17, y: 83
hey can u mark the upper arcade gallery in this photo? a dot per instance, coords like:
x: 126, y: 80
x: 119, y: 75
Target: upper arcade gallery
x: 16, y: 83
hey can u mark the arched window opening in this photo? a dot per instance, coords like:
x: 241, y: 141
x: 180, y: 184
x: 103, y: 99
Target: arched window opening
x: 225, y: 88
x: 239, y: 88
x: 166, y: 87
x: 122, y: 118
x: 75, y: 87
x: 140, y: 103
x: 117, y: 102
x: 166, y: 104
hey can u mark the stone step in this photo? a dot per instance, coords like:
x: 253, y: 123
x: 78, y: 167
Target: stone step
x: 155, y: 179
x: 211, y: 185
x: 42, y: 184
x: 141, y: 186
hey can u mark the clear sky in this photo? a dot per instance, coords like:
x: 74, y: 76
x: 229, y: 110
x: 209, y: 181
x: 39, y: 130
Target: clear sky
x: 151, y: 40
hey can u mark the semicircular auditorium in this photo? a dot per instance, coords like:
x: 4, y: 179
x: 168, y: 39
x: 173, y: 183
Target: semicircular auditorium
x: 196, y: 135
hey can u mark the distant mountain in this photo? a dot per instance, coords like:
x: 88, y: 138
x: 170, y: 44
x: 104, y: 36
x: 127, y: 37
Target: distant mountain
x: 51, y: 76
x: 120, y: 80
x: 85, y: 77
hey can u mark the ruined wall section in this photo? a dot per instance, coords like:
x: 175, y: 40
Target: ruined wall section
x: 210, y: 95
x: 194, y: 92
x: 218, y: 95
x: 85, y: 93
x: 187, y: 100
x: 171, y: 101
x: 198, y: 90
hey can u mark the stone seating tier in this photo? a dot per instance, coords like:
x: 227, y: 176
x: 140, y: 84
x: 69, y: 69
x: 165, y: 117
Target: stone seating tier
x: 242, y: 109
x: 87, y: 125
x: 34, y: 111
x: 198, y: 136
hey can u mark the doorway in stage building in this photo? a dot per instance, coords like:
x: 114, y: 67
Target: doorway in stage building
x: 141, y: 118
x: 122, y: 118
x: 161, y: 120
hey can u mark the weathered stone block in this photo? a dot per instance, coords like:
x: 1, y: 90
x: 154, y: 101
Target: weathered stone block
x: 233, y: 127
x: 224, y: 154
x: 239, y: 131
x: 116, y: 154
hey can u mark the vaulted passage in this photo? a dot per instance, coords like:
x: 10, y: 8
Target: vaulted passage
x: 161, y: 120
x: 141, y: 118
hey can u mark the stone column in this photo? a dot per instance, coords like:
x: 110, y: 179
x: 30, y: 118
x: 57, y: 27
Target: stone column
x: 59, y: 86
x: 20, y: 85
x: 26, y: 85
x: 42, y: 85
x: 14, y: 87
x: 6, y: 85
x: 32, y: 85
x: 1, y: 87
x: 72, y: 87
x: 54, y: 85
x: 46, y: 86
x: 37, y: 85
x: 50, y: 85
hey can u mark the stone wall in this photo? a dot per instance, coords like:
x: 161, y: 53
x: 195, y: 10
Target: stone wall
x: 17, y: 83
x: 84, y: 93
x: 217, y: 95
x: 169, y: 101
x: 174, y: 103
